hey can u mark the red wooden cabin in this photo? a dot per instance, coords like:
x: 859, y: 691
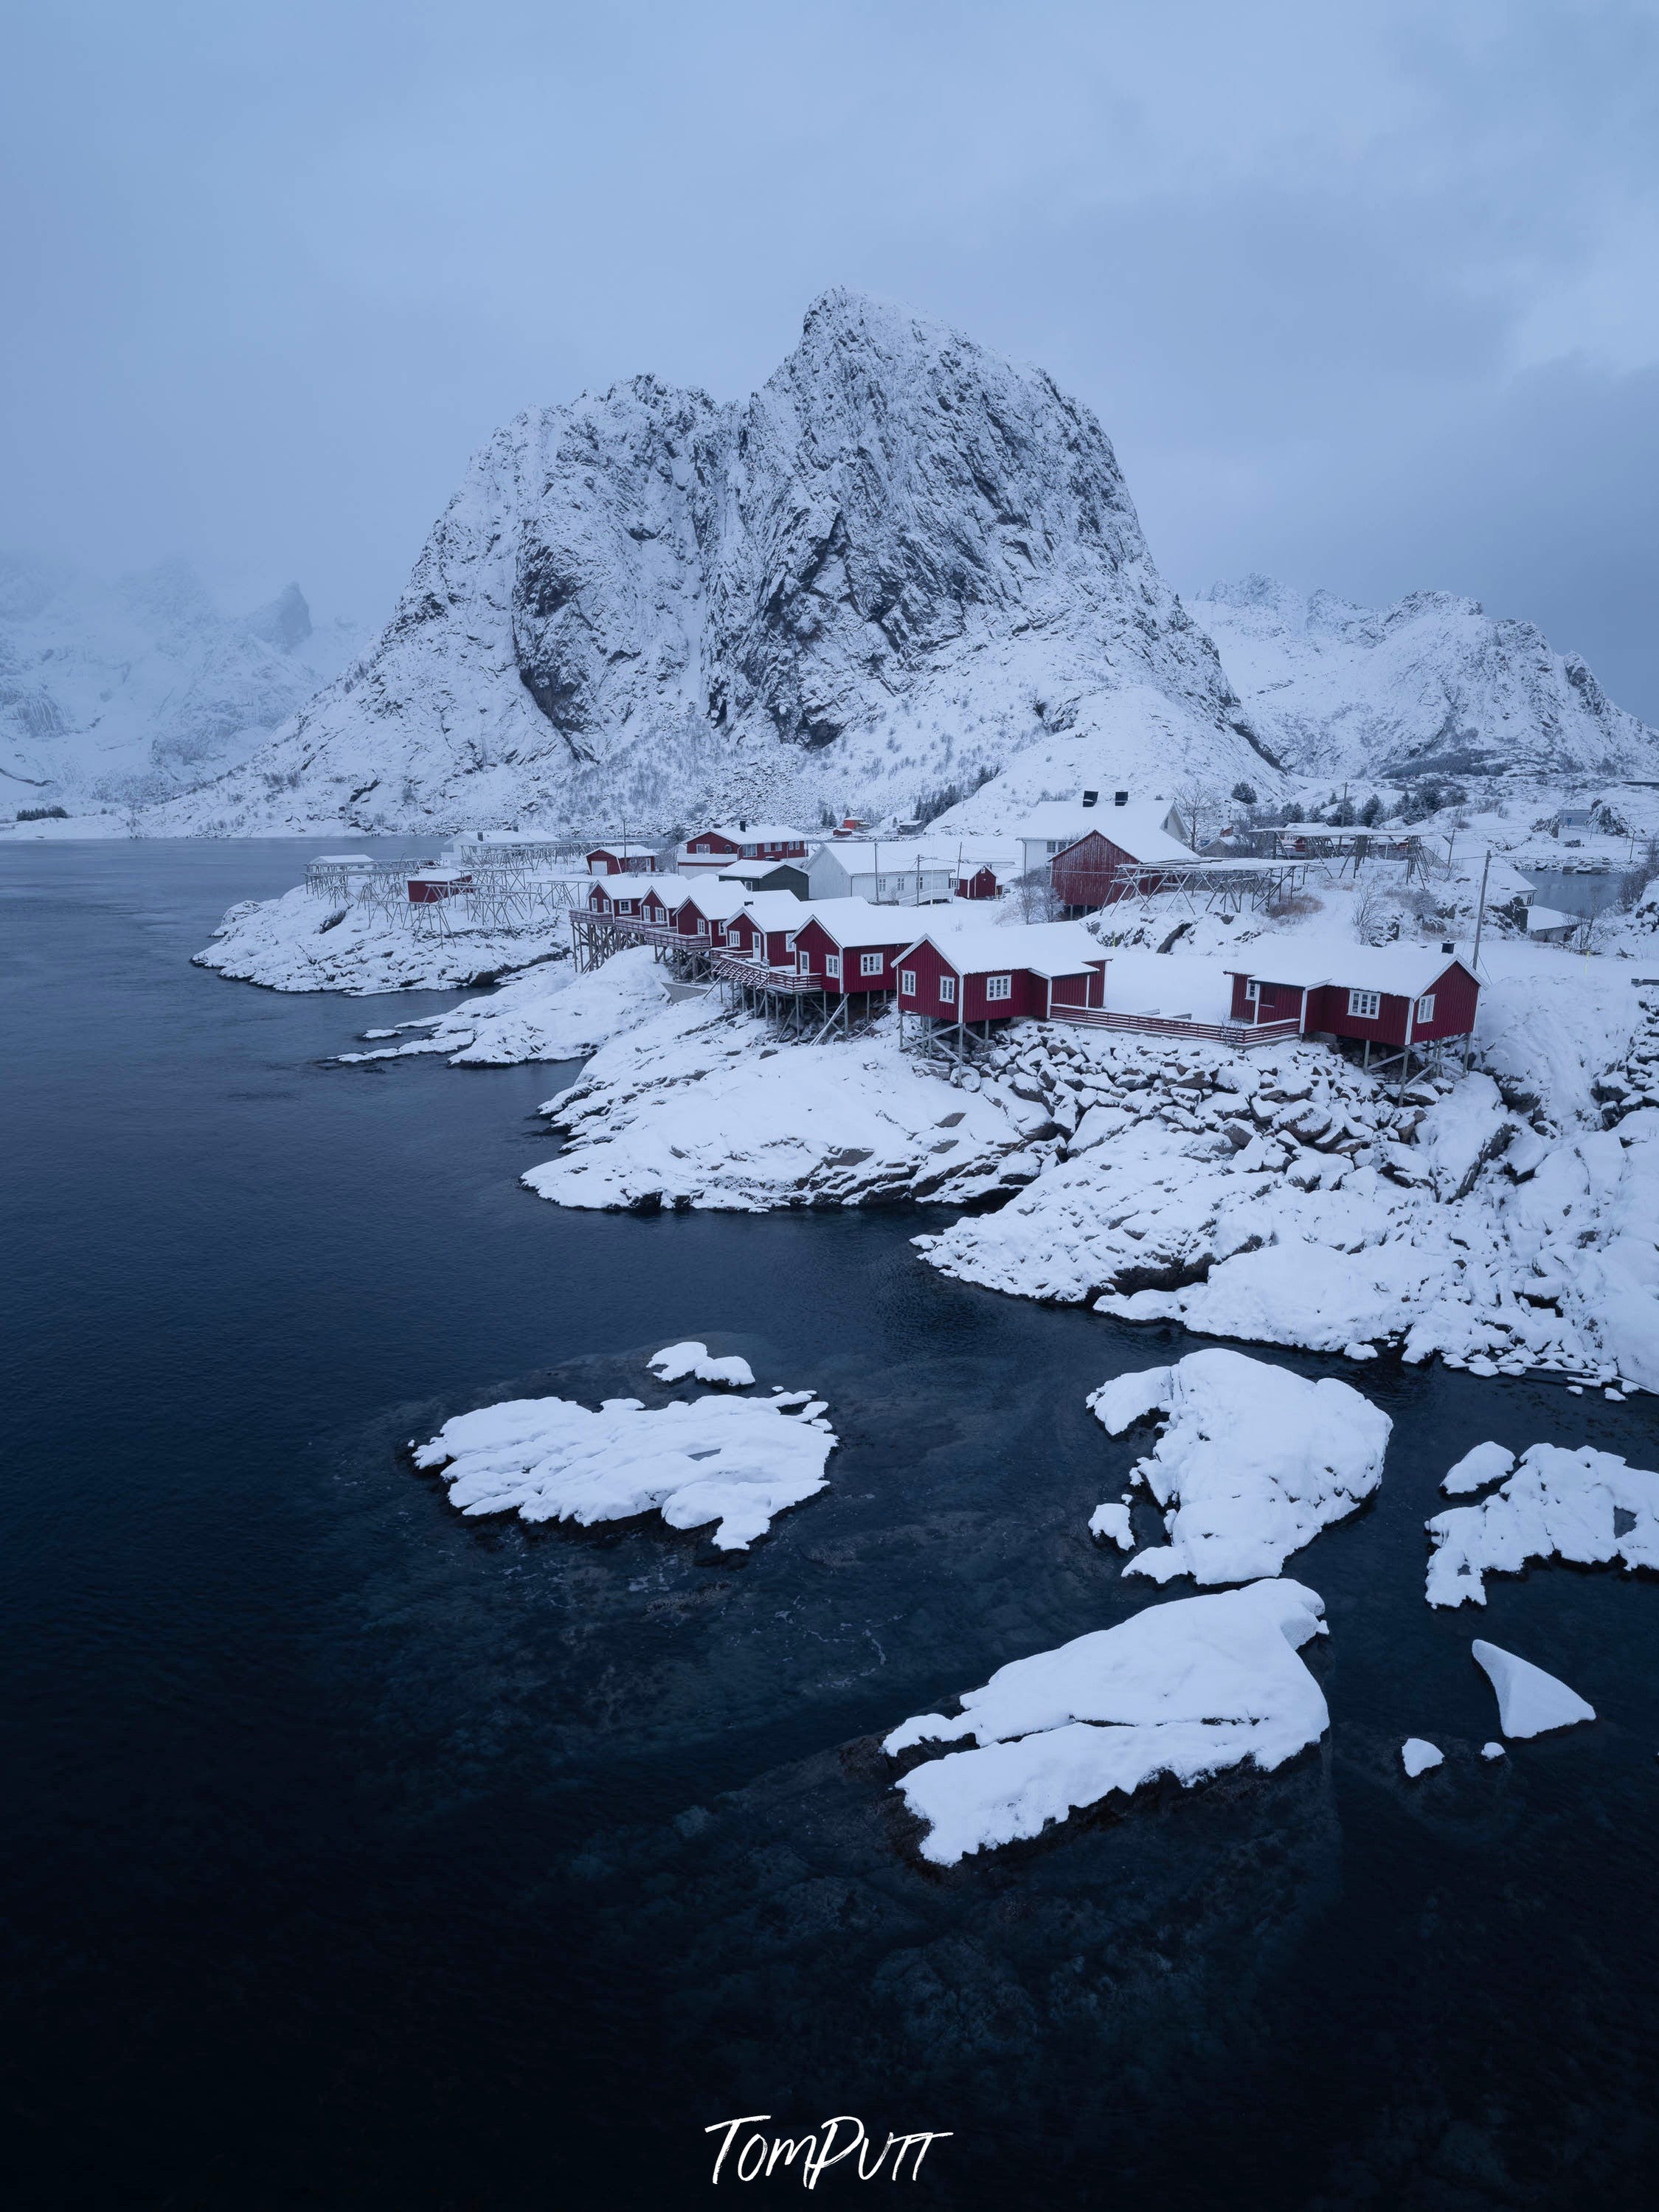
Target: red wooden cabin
x: 974, y: 883
x: 1110, y: 863
x: 980, y: 974
x: 707, y: 910
x: 1388, y: 995
x: 744, y: 841
x: 607, y: 898
x: 850, y: 946
x: 434, y: 884
x: 765, y: 929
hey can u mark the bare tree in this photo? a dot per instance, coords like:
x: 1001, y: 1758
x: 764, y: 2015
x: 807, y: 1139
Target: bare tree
x: 1197, y: 805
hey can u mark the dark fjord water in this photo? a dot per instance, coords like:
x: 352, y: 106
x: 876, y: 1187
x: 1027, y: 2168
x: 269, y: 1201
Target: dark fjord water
x: 357, y: 1855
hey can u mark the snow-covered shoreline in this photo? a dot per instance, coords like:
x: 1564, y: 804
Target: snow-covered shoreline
x: 301, y: 943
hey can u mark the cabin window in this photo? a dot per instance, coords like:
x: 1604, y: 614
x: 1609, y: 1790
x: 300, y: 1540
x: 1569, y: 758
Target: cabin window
x: 870, y: 964
x: 803, y: 963
x: 1426, y: 1007
x: 999, y: 987
x: 703, y: 929
x: 947, y: 990
x: 907, y: 983
x: 789, y: 941
x: 1365, y: 1005
x: 832, y: 965
x: 1252, y: 993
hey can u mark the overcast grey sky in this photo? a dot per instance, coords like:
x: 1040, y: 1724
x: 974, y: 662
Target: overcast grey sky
x: 1365, y: 295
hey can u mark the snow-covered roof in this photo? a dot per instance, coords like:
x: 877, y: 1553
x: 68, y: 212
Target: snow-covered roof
x: 776, y: 909
x: 751, y: 871
x: 670, y: 890
x: 719, y: 901
x: 879, y: 856
x: 625, y: 851
x: 1403, y: 970
x: 752, y: 833
x: 1045, y: 948
x: 855, y: 922
x: 1550, y: 917
x: 1139, y: 830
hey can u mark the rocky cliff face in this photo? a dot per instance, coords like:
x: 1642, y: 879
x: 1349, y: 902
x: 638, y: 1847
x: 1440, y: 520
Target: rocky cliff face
x: 134, y: 691
x: 902, y: 565
x: 1432, y: 686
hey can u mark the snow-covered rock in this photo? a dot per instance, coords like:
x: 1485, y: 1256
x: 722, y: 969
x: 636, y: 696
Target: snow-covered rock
x: 135, y: 691
x: 736, y: 1461
x: 1486, y: 1464
x: 1558, y: 1505
x: 1433, y: 685
x: 1491, y: 1750
x: 1418, y: 1755
x: 1252, y: 1460
x: 548, y: 1012
x: 1186, y: 1688
x: 302, y: 943
x: 896, y: 566
x: 675, y: 1362
x: 691, y: 1108
x: 1529, y: 1701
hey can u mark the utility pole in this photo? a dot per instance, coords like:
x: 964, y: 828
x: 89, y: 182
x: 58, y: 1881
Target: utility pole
x: 1474, y: 959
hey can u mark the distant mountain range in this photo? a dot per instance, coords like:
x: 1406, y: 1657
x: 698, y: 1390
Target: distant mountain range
x: 903, y: 570
x: 134, y: 691
x: 1433, y: 686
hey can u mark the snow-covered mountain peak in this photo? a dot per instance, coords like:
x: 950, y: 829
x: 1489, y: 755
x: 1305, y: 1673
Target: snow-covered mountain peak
x: 1431, y: 685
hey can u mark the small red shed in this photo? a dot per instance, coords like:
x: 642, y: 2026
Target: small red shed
x: 434, y: 884
x: 849, y: 947
x: 977, y: 882
x: 621, y: 860
x: 1388, y: 995
x: 606, y: 897
x: 983, y: 974
x: 742, y: 840
x: 765, y: 929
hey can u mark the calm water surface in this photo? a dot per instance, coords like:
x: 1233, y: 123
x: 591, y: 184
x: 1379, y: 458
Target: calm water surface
x: 358, y: 1855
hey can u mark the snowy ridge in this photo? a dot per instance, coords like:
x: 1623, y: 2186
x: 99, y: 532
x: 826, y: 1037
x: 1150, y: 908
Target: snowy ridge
x: 129, y: 693
x: 903, y: 563
x: 1186, y: 1688
x: 1433, y: 685
x: 1557, y: 1504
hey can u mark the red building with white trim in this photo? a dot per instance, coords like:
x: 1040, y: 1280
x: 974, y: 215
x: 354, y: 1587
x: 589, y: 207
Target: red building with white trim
x: 622, y: 860
x: 606, y: 897
x: 985, y: 975
x: 434, y: 884
x: 742, y: 840
x: 1111, y: 861
x: 764, y: 931
x: 1388, y: 995
x: 849, y: 947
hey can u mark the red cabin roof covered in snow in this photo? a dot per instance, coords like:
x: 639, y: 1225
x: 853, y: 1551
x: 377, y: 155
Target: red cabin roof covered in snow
x: 1388, y: 994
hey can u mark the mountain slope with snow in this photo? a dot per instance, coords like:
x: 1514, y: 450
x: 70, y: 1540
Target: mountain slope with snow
x: 134, y: 691
x: 897, y: 567
x: 1432, y: 686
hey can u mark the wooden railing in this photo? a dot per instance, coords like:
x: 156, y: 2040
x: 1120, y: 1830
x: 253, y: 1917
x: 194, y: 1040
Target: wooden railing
x: 1240, y: 1035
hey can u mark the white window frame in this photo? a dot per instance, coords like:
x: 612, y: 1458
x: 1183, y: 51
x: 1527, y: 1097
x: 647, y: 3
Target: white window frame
x: 702, y: 927
x: 832, y: 965
x: 803, y: 964
x: 1364, y: 1005
x: 1252, y: 993
x: 1424, y: 1010
x: 999, y: 987
x: 907, y: 983
x: 871, y: 963
x: 947, y: 990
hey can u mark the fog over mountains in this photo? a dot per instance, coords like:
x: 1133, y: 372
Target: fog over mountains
x: 130, y: 692
x: 903, y: 566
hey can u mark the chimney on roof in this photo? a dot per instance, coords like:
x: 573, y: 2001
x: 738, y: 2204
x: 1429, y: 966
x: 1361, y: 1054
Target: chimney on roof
x: 743, y: 825
x: 1119, y: 798
x: 1448, y: 948
x: 1090, y: 796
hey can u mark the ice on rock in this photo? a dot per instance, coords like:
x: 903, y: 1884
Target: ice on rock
x: 1253, y: 1461
x: 736, y: 1461
x: 1486, y: 1464
x: 1529, y: 1701
x: 1585, y: 1506
x: 1490, y: 1751
x: 1186, y: 1688
x: 1418, y: 1755
x: 676, y: 1361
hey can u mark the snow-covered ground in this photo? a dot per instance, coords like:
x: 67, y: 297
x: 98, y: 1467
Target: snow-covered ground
x: 302, y: 943
x: 735, y: 1462
x: 1557, y: 1504
x: 548, y: 1012
x: 1186, y: 1688
x: 1252, y: 1463
x: 695, y: 1107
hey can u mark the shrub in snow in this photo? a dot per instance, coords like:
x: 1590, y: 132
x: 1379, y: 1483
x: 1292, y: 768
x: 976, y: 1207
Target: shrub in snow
x: 1418, y: 1755
x: 1557, y: 1504
x: 735, y: 1462
x: 1253, y: 1463
x: 676, y: 1361
x: 1529, y: 1701
x: 1186, y: 1688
